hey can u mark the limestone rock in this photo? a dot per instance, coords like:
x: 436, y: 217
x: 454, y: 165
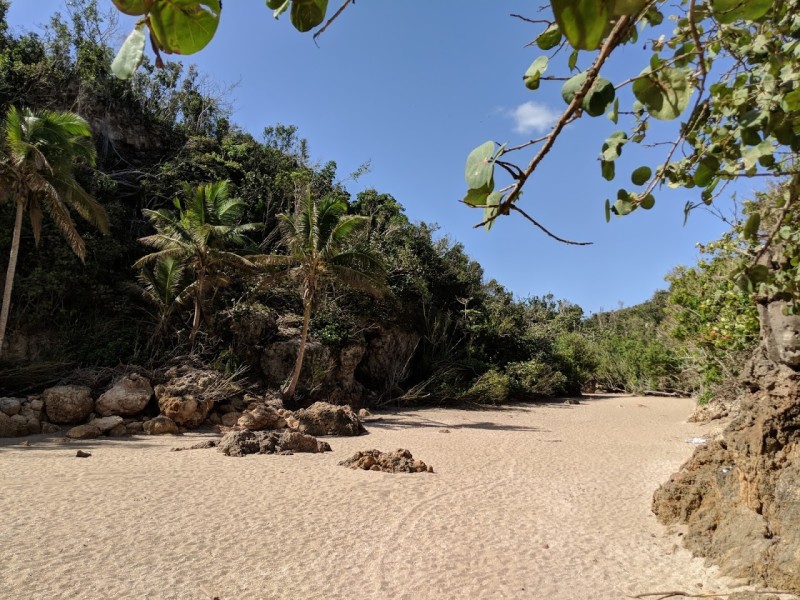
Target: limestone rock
x: 50, y: 427
x: 134, y: 427
x: 68, y: 403
x: 239, y: 443
x: 119, y: 430
x: 322, y: 418
x: 161, y: 425
x: 399, y: 461
x: 259, y: 417
x: 106, y: 424
x: 36, y: 403
x: 87, y: 431
x: 189, y: 394
x: 128, y: 396
x: 10, y: 406
x: 231, y: 419
x: 11, y: 427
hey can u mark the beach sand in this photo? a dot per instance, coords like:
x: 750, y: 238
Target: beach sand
x: 534, y: 501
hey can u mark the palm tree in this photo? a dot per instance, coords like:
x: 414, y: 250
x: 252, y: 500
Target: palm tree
x: 40, y: 149
x: 199, y: 236
x: 318, y: 239
x: 163, y: 286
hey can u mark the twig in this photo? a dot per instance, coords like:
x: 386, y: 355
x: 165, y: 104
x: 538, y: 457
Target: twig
x: 332, y: 19
x: 551, y: 234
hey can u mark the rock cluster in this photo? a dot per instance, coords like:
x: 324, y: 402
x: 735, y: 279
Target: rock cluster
x: 20, y: 416
x: 399, y: 461
x: 241, y: 442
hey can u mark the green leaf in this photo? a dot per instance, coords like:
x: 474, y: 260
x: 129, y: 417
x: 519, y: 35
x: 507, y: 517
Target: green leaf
x: 572, y: 63
x: 184, y: 26
x: 628, y: 7
x: 728, y: 11
x: 750, y: 229
x: 572, y: 86
x: 614, y: 114
x: 480, y: 196
x: 480, y: 166
x: 135, y: 8
x: 641, y: 175
x: 307, y: 14
x: 706, y: 171
x: 583, y: 22
x: 130, y: 54
x: 550, y: 38
x: 492, y: 202
x: 607, y: 169
x: 599, y: 97
x: 608, y: 210
x: 275, y: 4
x: 791, y: 101
x: 664, y: 94
x: 534, y: 72
x: 278, y: 6
x: 647, y: 202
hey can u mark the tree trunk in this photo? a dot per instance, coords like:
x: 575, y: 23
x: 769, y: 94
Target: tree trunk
x: 288, y: 392
x: 198, y: 300
x: 12, y: 269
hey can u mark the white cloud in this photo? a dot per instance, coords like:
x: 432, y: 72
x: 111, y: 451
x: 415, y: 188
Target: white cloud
x: 532, y: 117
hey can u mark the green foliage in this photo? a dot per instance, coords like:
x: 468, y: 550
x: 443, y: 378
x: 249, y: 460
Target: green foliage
x: 492, y: 387
x: 535, y: 379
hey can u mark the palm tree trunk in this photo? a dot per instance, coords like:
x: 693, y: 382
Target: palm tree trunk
x: 288, y: 393
x: 12, y: 269
x: 198, y: 300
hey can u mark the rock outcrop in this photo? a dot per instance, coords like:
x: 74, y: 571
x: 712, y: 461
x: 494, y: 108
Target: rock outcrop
x: 128, y: 396
x: 322, y: 418
x: 739, y: 495
x: 240, y: 443
x: 189, y: 394
x: 399, y: 461
x: 260, y: 417
x: 68, y: 403
x: 161, y: 425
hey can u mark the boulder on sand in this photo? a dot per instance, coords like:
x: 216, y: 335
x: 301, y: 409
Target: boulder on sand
x: 322, y: 418
x: 239, y: 443
x: 128, y: 396
x: 68, y: 403
x: 161, y: 425
x: 260, y: 417
x: 399, y: 461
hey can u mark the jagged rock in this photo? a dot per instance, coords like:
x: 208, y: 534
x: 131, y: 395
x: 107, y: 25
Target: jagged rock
x: 399, y: 461
x: 198, y: 446
x: 161, y: 425
x: 10, y: 406
x: 322, y: 418
x: 239, y: 443
x: 106, y: 424
x: 189, y: 394
x: 128, y: 396
x: 68, y: 403
x: 259, y: 417
x: 119, y: 430
x: 87, y: 431
x: 739, y: 495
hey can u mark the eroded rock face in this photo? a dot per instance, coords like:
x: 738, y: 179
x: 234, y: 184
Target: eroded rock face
x: 781, y: 334
x: 240, y: 443
x: 68, y: 403
x: 399, y: 461
x: 740, y: 494
x: 161, y: 425
x: 387, y: 356
x: 278, y: 360
x: 260, y: 417
x: 128, y: 396
x: 189, y: 394
x: 322, y: 418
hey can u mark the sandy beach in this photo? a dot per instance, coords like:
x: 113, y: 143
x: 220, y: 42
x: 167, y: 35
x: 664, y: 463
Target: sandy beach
x: 533, y: 501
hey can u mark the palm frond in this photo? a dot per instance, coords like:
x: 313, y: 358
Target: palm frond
x: 358, y: 280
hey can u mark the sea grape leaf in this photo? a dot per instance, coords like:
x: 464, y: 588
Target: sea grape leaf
x: 641, y: 175
x: 728, y: 11
x: 549, y: 38
x: 480, y: 196
x: 534, y: 72
x: 307, y: 14
x: 583, y: 22
x: 184, y: 26
x: 135, y: 8
x: 664, y: 94
x: 130, y: 54
x: 480, y: 166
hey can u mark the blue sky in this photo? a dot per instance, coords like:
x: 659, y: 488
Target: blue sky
x: 413, y: 87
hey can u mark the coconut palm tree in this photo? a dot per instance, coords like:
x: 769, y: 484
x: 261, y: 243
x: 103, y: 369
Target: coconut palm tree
x: 199, y: 236
x: 163, y: 286
x: 39, y: 151
x: 318, y: 239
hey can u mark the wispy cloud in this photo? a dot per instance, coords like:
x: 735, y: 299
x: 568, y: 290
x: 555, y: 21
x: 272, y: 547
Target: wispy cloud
x: 531, y: 117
